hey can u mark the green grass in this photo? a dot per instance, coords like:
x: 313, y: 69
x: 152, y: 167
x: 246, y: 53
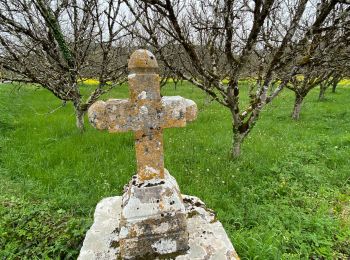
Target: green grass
x: 287, y: 197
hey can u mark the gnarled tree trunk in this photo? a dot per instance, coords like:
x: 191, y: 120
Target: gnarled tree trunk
x: 335, y: 84
x: 79, y: 116
x: 299, y: 98
x: 237, y: 140
x: 334, y: 87
x: 240, y: 129
x: 323, y: 88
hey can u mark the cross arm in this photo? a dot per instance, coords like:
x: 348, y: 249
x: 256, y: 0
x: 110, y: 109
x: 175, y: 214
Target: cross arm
x: 178, y: 111
x: 119, y: 115
x: 114, y: 115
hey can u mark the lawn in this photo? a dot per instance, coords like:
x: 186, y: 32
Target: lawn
x: 286, y: 197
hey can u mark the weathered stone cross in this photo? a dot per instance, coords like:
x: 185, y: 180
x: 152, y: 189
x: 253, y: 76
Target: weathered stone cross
x: 153, y: 217
x: 145, y: 113
x: 153, y: 221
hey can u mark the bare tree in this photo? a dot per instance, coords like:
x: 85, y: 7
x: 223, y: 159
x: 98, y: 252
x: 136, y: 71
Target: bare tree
x: 340, y: 70
x: 339, y: 34
x: 323, y: 88
x: 335, y: 81
x: 332, y: 81
x: 59, y: 43
x: 327, y: 54
x: 219, y: 41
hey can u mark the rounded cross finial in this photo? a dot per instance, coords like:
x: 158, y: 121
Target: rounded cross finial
x: 142, y: 59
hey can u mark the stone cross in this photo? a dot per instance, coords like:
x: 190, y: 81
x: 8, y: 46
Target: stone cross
x: 153, y: 216
x: 151, y: 220
x: 145, y: 113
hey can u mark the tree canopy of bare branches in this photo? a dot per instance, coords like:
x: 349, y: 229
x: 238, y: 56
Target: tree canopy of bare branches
x: 59, y: 43
x: 211, y: 42
x: 329, y: 56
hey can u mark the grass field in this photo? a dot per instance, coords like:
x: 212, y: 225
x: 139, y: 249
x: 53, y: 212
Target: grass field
x: 287, y: 197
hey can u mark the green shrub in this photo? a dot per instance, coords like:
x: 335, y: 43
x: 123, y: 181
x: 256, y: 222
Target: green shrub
x: 38, y: 231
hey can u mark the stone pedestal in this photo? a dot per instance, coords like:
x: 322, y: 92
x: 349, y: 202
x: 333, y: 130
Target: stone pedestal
x: 207, y: 237
x: 153, y: 219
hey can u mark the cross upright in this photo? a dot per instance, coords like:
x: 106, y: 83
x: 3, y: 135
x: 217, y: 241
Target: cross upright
x: 145, y: 113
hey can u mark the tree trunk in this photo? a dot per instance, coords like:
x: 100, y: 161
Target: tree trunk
x: 297, y: 106
x: 335, y: 82
x: 79, y: 117
x: 334, y: 86
x: 239, y: 132
x: 323, y: 88
x: 237, y: 141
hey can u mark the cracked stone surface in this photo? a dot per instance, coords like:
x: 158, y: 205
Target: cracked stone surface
x: 207, y: 237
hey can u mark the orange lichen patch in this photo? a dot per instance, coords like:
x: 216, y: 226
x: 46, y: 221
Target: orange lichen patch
x: 117, y: 114
x: 178, y: 111
x: 142, y: 59
x: 144, y: 87
x: 149, y: 155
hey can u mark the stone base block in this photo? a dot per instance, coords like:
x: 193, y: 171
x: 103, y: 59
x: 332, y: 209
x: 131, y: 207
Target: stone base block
x: 207, y: 237
x: 153, y: 219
